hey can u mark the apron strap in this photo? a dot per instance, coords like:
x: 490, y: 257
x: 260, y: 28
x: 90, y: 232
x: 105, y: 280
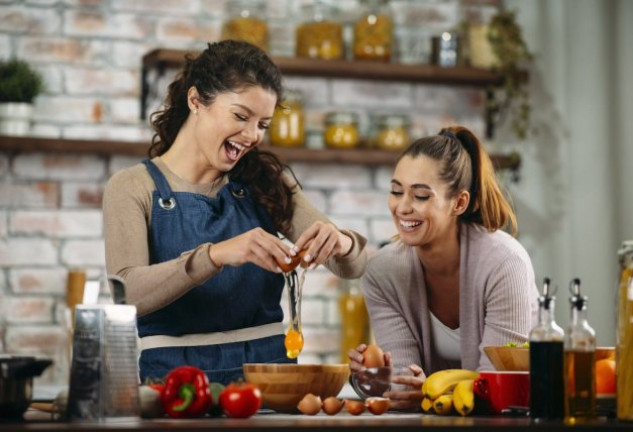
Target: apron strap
x: 166, y: 200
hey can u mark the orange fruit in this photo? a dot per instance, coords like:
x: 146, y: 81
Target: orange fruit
x: 605, y: 376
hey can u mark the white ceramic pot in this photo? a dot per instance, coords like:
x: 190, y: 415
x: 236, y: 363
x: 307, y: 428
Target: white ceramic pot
x: 15, y: 118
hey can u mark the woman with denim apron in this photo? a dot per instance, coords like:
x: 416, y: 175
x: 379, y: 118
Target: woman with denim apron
x: 193, y: 231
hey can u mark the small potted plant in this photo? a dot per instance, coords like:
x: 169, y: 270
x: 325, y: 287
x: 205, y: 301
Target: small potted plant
x: 499, y: 45
x: 19, y: 85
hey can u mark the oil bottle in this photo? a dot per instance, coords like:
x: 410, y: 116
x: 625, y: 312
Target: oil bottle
x: 547, y: 396
x: 624, y: 345
x: 580, y: 359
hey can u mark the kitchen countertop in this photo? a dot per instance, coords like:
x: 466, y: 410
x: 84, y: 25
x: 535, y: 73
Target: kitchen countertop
x: 270, y: 421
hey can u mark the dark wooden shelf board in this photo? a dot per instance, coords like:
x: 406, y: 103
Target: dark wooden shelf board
x: 360, y: 156
x: 352, y: 69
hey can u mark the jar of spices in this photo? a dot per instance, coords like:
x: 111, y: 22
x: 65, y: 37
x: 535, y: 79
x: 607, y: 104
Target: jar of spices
x: 341, y: 130
x: 373, y: 32
x: 393, y: 132
x: 319, y: 35
x: 246, y: 21
x: 287, y: 126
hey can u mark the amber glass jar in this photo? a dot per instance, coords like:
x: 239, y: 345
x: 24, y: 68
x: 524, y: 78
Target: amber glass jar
x: 341, y: 130
x: 246, y: 21
x: 393, y: 132
x: 287, y: 127
x: 373, y: 32
x: 318, y: 35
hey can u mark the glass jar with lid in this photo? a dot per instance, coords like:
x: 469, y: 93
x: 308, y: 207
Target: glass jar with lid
x: 319, y: 35
x: 392, y: 132
x: 341, y: 129
x: 245, y: 20
x: 373, y: 32
x: 287, y: 126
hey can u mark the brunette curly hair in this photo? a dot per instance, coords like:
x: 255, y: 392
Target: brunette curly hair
x: 226, y: 66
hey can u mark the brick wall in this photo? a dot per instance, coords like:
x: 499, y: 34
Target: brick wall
x: 89, y: 52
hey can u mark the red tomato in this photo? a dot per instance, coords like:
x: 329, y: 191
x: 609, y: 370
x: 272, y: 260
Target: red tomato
x: 240, y: 400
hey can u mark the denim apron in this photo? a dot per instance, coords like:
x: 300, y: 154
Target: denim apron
x: 235, y: 298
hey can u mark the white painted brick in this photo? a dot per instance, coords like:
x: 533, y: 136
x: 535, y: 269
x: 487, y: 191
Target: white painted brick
x: 27, y: 252
x: 46, y: 130
x: 34, y: 340
x: 125, y: 110
x: 128, y: 54
x: 157, y: 7
x: 29, y: 310
x: 53, y: 77
x: 63, y: 109
x: 59, y: 224
x: 320, y: 282
x: 360, y: 93
x: 118, y: 163
x: 358, y: 224
x: 92, y: 23
x: 29, y: 20
x: 382, y: 178
x: 58, y: 166
x: 312, y: 311
x: 23, y: 194
x: 439, y: 99
x: 320, y: 340
x: 82, y: 81
x: 80, y: 253
x: 5, y: 46
x: 212, y: 8
x: 309, y: 358
x: 348, y: 202
x: 317, y: 198
x: 315, y: 91
x: 38, y: 280
x: 3, y: 223
x: 381, y: 229
x: 332, y: 176
x: 62, y: 49
x: 108, y: 132
x: 4, y: 164
x: 333, y: 313
x: 82, y: 195
x: 186, y: 30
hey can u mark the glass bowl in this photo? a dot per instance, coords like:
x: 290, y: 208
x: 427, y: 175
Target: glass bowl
x: 371, y: 382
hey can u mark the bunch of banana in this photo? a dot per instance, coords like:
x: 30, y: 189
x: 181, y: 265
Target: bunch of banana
x: 449, y: 389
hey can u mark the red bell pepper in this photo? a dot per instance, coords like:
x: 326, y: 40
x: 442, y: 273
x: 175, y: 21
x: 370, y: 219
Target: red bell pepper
x: 186, y: 393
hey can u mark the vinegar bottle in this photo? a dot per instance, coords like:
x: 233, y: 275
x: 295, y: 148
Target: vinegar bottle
x: 580, y: 359
x: 546, y: 362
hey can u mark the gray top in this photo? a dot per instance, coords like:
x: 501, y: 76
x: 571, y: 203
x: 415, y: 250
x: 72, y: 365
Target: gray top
x: 497, y: 300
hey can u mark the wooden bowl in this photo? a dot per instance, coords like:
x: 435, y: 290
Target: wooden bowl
x: 283, y: 385
x: 509, y: 358
x: 518, y: 358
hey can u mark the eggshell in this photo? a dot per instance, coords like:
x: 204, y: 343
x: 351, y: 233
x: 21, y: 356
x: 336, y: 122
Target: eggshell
x: 332, y: 405
x: 310, y: 404
x: 373, y: 356
x: 286, y: 268
x: 354, y: 407
x: 377, y: 405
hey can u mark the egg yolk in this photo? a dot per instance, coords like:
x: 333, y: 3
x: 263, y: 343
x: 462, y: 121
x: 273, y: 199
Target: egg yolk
x: 293, y: 343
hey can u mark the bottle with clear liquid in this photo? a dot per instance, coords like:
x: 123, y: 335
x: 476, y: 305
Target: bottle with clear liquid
x: 580, y: 359
x: 547, y: 396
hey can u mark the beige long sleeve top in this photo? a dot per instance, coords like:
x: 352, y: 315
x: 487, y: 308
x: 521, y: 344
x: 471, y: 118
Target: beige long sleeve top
x: 497, y: 300
x: 127, y: 212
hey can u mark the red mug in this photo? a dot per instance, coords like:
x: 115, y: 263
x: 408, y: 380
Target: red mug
x: 503, y: 389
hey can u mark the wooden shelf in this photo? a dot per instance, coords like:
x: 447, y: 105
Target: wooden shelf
x: 467, y: 76
x: 359, y: 156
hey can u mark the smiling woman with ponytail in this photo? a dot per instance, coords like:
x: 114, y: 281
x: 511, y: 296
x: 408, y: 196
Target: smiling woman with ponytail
x: 453, y: 280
